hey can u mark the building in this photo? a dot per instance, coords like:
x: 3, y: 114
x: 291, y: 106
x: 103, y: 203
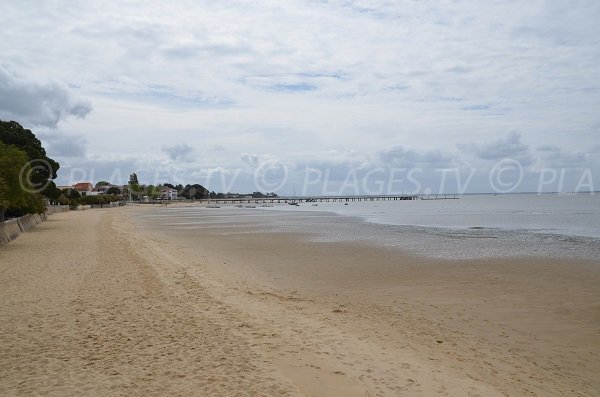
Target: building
x: 105, y: 188
x: 167, y: 193
x: 84, y: 188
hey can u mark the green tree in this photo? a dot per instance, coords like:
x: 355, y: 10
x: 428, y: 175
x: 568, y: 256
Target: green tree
x: 72, y: 194
x: 3, y: 200
x: 52, y: 192
x: 63, y: 199
x: 102, y: 183
x: 194, y: 191
x: 12, y: 133
x: 18, y: 195
x: 153, y: 191
x: 113, y: 190
x: 134, y: 186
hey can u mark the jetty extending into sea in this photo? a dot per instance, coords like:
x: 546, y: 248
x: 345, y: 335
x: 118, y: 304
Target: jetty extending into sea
x: 326, y: 199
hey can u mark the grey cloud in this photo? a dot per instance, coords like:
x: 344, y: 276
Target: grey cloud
x: 93, y: 170
x: 38, y: 104
x: 251, y: 159
x: 398, y: 156
x: 197, y: 50
x: 562, y: 23
x: 181, y: 151
x: 60, y: 145
x: 548, y: 148
x: 331, y: 170
x: 554, y: 157
x: 509, y: 146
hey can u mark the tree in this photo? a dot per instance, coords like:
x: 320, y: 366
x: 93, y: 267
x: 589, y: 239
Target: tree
x: 52, y: 192
x: 134, y: 186
x: 72, y: 194
x: 18, y: 195
x: 12, y: 133
x: 133, y: 179
x: 113, y: 190
x: 3, y: 200
x: 102, y: 183
x: 152, y: 191
x: 194, y: 191
x: 63, y: 199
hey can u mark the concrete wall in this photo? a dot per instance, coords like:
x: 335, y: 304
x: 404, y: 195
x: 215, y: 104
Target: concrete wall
x: 11, y: 229
x: 55, y: 209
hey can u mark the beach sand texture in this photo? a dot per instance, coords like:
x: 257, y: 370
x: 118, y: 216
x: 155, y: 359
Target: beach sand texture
x: 96, y: 303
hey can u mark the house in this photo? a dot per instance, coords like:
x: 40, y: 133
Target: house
x: 84, y: 188
x: 167, y: 193
x: 105, y: 188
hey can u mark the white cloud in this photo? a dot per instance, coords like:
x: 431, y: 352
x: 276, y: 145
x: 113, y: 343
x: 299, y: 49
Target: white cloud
x: 301, y: 79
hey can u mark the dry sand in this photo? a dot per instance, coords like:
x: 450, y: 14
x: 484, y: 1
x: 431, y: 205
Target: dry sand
x: 93, y: 304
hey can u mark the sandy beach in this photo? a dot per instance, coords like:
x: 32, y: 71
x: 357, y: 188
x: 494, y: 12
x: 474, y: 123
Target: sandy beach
x: 104, y: 302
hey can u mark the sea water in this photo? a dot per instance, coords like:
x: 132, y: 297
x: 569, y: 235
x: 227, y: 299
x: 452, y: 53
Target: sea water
x: 557, y: 226
x: 567, y: 214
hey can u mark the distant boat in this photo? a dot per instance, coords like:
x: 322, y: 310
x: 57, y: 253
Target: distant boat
x: 267, y: 205
x: 250, y: 206
x: 345, y: 203
x: 315, y: 205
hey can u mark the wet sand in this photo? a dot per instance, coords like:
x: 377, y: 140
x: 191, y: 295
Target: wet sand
x: 107, y: 302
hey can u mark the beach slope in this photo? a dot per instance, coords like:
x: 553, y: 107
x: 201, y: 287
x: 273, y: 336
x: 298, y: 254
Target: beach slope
x: 100, y: 303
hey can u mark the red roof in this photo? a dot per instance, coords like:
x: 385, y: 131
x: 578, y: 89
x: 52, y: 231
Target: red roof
x: 83, y: 186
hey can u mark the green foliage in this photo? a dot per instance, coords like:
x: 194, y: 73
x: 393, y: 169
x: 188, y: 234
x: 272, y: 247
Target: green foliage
x: 262, y: 195
x: 133, y: 179
x: 152, y: 191
x: 134, y: 186
x: 72, y: 194
x: 52, y: 192
x: 17, y: 197
x: 12, y: 133
x: 63, y: 199
x: 113, y: 190
x: 102, y: 183
x: 100, y: 199
x: 3, y: 200
x: 194, y: 191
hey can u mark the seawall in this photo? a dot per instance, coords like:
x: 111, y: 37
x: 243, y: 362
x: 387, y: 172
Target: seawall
x: 12, y: 228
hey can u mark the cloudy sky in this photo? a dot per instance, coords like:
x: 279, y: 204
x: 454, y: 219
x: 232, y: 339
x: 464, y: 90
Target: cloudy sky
x: 316, y: 96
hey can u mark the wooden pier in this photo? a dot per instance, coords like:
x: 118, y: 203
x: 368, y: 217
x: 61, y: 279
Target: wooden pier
x: 327, y: 199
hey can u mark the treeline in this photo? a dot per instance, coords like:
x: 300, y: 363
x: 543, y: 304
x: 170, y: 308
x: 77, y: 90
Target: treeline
x: 193, y: 191
x: 73, y: 198
x: 26, y: 172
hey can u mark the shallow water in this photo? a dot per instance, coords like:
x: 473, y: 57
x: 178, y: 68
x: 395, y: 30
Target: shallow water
x: 568, y: 214
x: 474, y: 227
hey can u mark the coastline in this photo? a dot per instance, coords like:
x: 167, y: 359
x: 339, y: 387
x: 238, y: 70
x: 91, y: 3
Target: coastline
x: 292, y: 316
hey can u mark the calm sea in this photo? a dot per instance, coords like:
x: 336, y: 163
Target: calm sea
x: 568, y: 214
x: 566, y: 226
